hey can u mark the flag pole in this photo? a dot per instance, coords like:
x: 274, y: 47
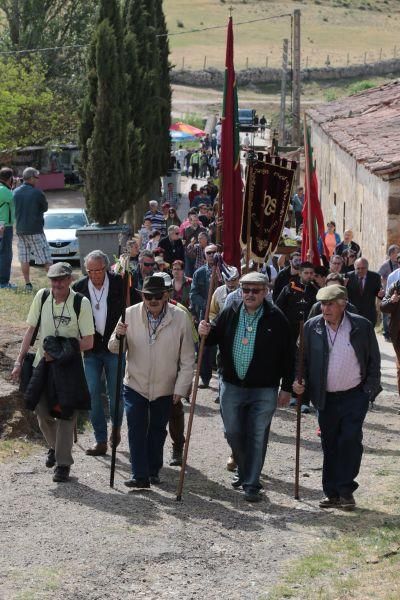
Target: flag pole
x: 308, y: 188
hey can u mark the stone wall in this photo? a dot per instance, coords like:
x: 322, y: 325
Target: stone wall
x: 356, y: 199
x: 215, y: 78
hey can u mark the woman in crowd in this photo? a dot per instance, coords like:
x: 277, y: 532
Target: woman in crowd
x: 172, y: 218
x: 180, y: 284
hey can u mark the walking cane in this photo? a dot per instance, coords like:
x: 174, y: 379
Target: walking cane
x: 75, y: 434
x: 119, y: 378
x: 298, y: 410
x: 196, y: 384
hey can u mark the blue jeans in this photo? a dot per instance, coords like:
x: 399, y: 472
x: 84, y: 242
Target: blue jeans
x: 147, y: 429
x: 95, y: 363
x: 6, y: 254
x: 341, y: 424
x: 247, y: 414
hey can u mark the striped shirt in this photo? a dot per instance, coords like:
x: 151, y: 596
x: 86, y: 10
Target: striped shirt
x: 157, y: 220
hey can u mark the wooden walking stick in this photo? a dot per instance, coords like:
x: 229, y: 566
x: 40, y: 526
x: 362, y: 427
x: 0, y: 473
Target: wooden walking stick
x: 196, y: 384
x: 119, y: 374
x: 298, y: 410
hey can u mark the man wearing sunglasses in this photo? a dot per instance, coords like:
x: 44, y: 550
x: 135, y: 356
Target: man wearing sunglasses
x: 257, y: 357
x: 159, y: 371
x: 198, y: 301
x: 147, y: 266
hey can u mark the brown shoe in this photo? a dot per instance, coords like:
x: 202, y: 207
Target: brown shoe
x: 231, y: 464
x: 117, y: 433
x: 347, y: 503
x: 98, y: 449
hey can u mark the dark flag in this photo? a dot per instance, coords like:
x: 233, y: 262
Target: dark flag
x: 313, y: 219
x: 267, y: 197
x: 231, y: 181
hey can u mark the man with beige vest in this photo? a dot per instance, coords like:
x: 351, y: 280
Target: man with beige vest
x: 159, y: 371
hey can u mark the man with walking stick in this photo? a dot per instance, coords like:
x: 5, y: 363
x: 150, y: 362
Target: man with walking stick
x: 257, y: 356
x: 342, y: 375
x: 159, y: 371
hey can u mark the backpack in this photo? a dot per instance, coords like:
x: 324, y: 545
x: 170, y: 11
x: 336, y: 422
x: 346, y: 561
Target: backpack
x: 46, y: 293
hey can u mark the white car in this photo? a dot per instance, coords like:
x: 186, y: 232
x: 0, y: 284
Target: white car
x: 60, y: 225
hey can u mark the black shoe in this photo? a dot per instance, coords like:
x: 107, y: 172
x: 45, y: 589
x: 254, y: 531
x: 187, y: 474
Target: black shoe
x: 203, y: 385
x: 176, y: 458
x: 252, y: 496
x: 329, y: 502
x: 347, y: 502
x: 236, y: 483
x: 61, y: 474
x: 216, y: 400
x: 137, y: 483
x: 28, y: 287
x: 51, y: 458
x: 155, y: 480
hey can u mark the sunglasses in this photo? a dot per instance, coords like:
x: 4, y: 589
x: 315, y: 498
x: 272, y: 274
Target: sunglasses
x: 149, y: 264
x: 149, y: 296
x: 247, y: 290
x: 96, y: 271
x: 211, y: 252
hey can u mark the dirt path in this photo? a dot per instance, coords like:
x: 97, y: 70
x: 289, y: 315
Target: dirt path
x: 82, y: 540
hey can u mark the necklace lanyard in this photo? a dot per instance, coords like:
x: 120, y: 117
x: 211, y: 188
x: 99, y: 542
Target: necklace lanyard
x: 153, y: 328
x: 335, y: 336
x: 248, y: 325
x: 98, y: 300
x: 60, y: 318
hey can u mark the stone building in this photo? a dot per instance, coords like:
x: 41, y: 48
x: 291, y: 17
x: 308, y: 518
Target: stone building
x: 356, y: 146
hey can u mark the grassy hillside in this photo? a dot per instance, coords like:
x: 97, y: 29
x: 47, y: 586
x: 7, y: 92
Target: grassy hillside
x: 337, y: 28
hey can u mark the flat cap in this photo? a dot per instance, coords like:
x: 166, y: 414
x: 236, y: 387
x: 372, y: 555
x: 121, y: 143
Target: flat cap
x: 60, y: 269
x: 254, y: 277
x: 331, y: 293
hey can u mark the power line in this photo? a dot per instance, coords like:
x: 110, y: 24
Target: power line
x: 26, y: 51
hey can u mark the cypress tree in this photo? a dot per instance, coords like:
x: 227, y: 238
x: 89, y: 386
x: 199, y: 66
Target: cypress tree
x: 165, y: 86
x: 103, y: 130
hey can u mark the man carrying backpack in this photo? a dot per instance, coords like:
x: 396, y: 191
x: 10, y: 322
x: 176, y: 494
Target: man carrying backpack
x: 58, y: 387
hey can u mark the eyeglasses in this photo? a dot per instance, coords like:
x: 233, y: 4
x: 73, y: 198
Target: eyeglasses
x: 149, y: 296
x: 95, y: 271
x: 247, y: 290
x: 211, y: 252
x: 176, y: 232
x: 149, y: 264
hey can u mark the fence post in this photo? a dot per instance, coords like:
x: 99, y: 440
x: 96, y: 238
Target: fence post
x: 205, y: 63
x: 247, y: 62
x: 183, y: 63
x: 380, y: 54
x: 266, y: 62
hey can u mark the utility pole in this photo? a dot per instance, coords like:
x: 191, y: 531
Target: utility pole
x: 296, y: 79
x: 283, y: 92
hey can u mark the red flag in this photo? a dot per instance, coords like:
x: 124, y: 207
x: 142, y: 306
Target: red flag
x: 313, y: 219
x: 231, y: 185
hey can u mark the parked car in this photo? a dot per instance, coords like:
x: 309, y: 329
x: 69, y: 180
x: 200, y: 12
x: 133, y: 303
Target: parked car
x: 60, y: 225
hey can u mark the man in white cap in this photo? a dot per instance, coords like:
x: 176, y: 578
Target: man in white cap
x: 30, y: 205
x: 342, y: 375
x: 231, y: 279
x: 61, y: 313
x: 257, y: 357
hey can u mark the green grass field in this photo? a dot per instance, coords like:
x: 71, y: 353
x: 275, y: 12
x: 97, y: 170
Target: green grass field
x: 341, y: 29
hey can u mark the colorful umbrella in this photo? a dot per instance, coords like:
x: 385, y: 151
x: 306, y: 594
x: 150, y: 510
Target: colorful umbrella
x: 180, y: 136
x: 185, y: 128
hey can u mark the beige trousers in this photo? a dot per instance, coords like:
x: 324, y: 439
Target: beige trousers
x: 58, y: 433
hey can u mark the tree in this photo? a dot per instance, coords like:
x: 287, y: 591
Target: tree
x: 103, y: 133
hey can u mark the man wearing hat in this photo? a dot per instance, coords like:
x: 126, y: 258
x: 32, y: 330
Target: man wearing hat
x: 342, y: 375
x: 158, y: 373
x: 30, y: 205
x: 257, y: 357
x: 59, y: 315
x: 231, y: 280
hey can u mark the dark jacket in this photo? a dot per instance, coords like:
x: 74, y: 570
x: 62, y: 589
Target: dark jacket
x: 30, y: 204
x: 283, y: 278
x: 62, y: 380
x: 316, y: 309
x: 295, y: 301
x: 365, y: 301
x: 114, y: 308
x: 316, y: 357
x: 172, y: 250
x: 199, y: 290
x: 273, y: 360
x: 393, y: 309
x: 340, y: 248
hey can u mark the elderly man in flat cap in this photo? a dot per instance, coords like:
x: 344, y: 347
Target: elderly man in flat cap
x: 257, y: 357
x: 342, y: 375
x: 159, y: 371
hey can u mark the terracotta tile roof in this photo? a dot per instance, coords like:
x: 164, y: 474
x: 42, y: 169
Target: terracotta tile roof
x: 367, y: 126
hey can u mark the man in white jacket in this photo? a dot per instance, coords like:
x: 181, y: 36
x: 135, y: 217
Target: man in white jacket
x: 159, y: 371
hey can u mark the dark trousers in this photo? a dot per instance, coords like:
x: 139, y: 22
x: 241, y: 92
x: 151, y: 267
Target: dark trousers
x: 195, y: 170
x: 176, y: 425
x: 298, y: 220
x: 341, y: 424
x: 147, y: 430
x: 6, y: 254
x: 396, y: 347
x: 206, y: 368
